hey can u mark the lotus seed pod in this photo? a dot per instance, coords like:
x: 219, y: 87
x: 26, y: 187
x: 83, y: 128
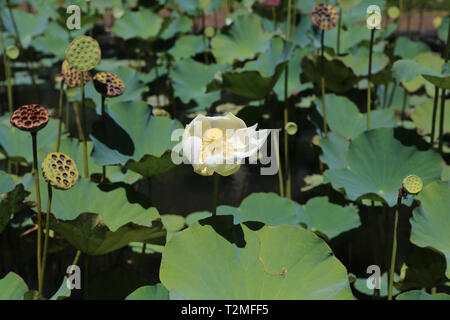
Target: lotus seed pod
x: 83, y: 53
x: 325, y: 16
x: 412, y: 184
x: 72, y: 76
x: 209, y: 32
x: 12, y: 52
x: 31, y: 117
x: 393, y: 12
x: 109, y: 84
x: 291, y: 128
x: 60, y: 171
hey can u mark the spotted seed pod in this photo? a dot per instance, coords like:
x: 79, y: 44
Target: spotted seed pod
x: 325, y: 16
x: 72, y: 76
x: 109, y: 84
x: 83, y: 53
x: 60, y: 171
x: 412, y: 184
x: 31, y: 117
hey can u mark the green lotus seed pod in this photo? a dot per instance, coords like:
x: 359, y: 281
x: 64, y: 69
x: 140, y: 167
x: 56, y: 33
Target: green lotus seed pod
x: 60, y: 170
x: 412, y: 184
x: 12, y: 52
x: 83, y: 53
x: 209, y: 32
x: 291, y: 128
x: 393, y: 12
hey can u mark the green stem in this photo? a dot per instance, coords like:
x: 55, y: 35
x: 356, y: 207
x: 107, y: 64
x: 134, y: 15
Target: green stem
x: 441, y: 123
x: 433, y: 117
x: 205, y: 51
x: 322, y: 81
x: 385, y: 94
x: 103, y: 116
x: 394, y: 249
x: 39, y: 218
x: 338, y: 47
x: 288, y: 23
x: 369, y: 78
x: 47, y: 232
x: 280, y: 171
x: 405, y: 103
x: 60, y: 115
x: 274, y: 17
x: 83, y: 112
x: 391, y: 96
x: 216, y: 179
x: 7, y: 67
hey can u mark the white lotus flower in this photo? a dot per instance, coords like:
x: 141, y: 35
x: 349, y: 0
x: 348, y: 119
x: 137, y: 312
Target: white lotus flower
x: 220, y: 144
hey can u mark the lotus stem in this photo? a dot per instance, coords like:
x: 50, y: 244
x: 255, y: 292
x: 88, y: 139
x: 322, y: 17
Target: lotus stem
x: 39, y: 217
x: 77, y: 256
x: 280, y: 171
x: 369, y: 78
x: 78, y: 121
x: 47, y: 231
x: 394, y: 248
x: 7, y: 68
x: 60, y: 115
x: 404, y: 104
x: 274, y: 17
x: 83, y: 115
x: 441, y: 122
x: 338, y: 47
x: 67, y: 114
x: 216, y: 179
x: 385, y: 94
x: 103, y: 116
x: 294, y: 20
x: 433, y: 118
x: 322, y: 80
x: 205, y: 51
x: 288, y: 23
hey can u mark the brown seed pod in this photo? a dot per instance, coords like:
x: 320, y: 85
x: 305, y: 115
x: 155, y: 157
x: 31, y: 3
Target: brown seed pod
x: 325, y: 16
x: 72, y: 76
x: 109, y: 84
x: 60, y: 171
x: 31, y: 117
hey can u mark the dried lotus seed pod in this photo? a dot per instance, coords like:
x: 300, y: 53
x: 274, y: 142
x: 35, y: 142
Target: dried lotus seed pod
x: 412, y: 184
x: 325, y: 16
x: 83, y: 53
x: 31, y: 117
x: 109, y: 84
x: 60, y: 171
x: 72, y: 76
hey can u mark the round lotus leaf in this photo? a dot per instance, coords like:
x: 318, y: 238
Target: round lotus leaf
x: 325, y: 16
x: 412, y: 184
x: 209, y: 32
x: 72, y: 76
x: 109, y: 84
x: 83, y: 53
x: 60, y: 170
x: 12, y: 52
x: 291, y: 128
x: 31, y: 117
x: 393, y: 12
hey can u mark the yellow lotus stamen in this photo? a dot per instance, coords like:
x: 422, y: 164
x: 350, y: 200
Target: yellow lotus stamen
x: 212, y: 134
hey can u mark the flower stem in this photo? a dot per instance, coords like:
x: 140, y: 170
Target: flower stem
x: 103, y: 116
x: 47, y: 231
x: 322, y: 81
x: 369, y: 78
x: 83, y: 112
x: 433, y: 118
x: 286, y: 110
x: 394, y: 249
x: 441, y: 122
x: 60, y: 115
x: 216, y: 179
x: 338, y: 47
x: 280, y: 171
x: 39, y: 217
x: 7, y: 68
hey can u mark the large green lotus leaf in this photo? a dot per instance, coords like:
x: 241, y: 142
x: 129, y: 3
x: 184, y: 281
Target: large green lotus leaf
x: 350, y: 37
x: 12, y: 287
x: 89, y: 233
x: 187, y: 46
x: 408, y: 49
x: 377, y: 163
x: 268, y: 208
x: 334, y: 150
x: 344, y: 117
x: 190, y: 79
x: 443, y: 29
x: 338, y: 77
x: 361, y: 286
x: 358, y: 59
x: 28, y: 25
x: 6, y: 183
x: 142, y: 24
x: 295, y: 69
x: 127, y: 140
x: 85, y: 196
x: 412, y: 72
x: 284, y: 262
x: 329, y: 218
x: 156, y: 292
x: 13, y: 202
x: 17, y: 144
x: 422, y: 116
x: 178, y: 24
x: 246, y: 38
x: 422, y: 295
x: 430, y: 222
